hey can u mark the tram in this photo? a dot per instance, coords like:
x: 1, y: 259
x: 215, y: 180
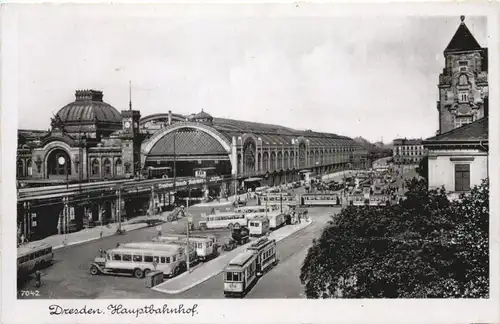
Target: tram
x: 265, y: 250
x: 317, y: 200
x: 240, y: 274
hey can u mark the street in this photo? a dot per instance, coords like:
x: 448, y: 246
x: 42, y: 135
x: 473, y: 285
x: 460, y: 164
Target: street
x: 69, y: 277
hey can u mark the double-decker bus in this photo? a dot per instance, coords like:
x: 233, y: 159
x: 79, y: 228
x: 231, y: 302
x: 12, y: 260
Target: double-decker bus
x: 240, y: 274
x: 222, y: 220
x: 140, y: 261
x: 315, y: 200
x: 32, y: 256
x: 265, y: 249
x: 203, y: 245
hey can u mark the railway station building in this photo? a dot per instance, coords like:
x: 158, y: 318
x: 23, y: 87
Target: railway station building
x: 90, y: 140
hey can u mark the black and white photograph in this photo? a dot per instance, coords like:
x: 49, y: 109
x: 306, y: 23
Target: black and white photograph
x: 252, y: 152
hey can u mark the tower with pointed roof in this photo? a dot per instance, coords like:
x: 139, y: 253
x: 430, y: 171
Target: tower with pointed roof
x: 463, y: 84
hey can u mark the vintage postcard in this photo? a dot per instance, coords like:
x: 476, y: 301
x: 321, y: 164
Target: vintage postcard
x: 250, y: 163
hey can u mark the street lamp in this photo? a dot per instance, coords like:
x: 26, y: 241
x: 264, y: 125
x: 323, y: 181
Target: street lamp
x: 62, y: 162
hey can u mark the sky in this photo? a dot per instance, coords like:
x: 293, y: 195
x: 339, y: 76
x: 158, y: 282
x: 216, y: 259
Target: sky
x: 369, y: 76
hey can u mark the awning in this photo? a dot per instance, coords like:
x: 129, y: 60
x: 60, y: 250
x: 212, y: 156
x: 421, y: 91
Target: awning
x: 304, y: 171
x: 252, y: 179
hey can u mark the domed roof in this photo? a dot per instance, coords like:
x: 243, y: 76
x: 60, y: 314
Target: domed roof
x: 88, y: 106
x: 202, y: 115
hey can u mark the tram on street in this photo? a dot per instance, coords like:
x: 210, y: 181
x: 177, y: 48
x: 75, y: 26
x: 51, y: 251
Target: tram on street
x: 265, y: 250
x: 139, y: 262
x: 32, y: 256
x: 223, y: 220
x: 204, y: 246
x: 259, y: 226
x: 317, y: 200
x: 279, y: 200
x: 240, y: 274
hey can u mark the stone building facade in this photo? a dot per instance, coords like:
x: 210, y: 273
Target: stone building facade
x: 463, y: 84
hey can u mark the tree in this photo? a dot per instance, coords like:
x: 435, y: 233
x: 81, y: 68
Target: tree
x: 423, y: 168
x: 427, y: 246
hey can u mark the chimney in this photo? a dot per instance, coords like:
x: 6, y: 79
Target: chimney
x: 170, y: 117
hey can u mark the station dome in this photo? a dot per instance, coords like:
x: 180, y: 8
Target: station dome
x: 88, y: 107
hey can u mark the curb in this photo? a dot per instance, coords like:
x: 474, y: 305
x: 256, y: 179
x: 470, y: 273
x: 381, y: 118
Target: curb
x: 179, y: 291
x: 93, y: 239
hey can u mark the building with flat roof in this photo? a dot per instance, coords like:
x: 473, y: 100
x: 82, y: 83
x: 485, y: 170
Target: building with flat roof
x: 408, y: 151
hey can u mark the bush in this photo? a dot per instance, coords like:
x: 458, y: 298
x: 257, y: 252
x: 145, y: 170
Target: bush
x: 427, y: 246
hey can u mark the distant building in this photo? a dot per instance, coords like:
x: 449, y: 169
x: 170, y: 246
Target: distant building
x: 458, y: 155
x: 408, y: 151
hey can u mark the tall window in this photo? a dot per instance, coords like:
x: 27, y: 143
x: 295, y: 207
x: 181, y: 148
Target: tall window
x: 95, y: 167
x: 462, y: 177
x: 463, y: 97
x: 118, y: 167
x: 107, y: 168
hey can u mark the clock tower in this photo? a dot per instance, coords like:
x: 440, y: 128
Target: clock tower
x: 130, y: 140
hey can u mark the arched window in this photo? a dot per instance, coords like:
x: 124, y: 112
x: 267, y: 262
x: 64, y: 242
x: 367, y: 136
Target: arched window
x: 259, y: 160
x: 95, y: 168
x: 58, y: 163
x: 287, y: 161
x: 107, y: 167
x: 20, y: 168
x: 292, y: 159
x: 29, y: 167
x: 118, y: 167
x: 265, y: 161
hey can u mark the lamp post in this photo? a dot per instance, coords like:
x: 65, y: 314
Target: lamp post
x: 175, y: 172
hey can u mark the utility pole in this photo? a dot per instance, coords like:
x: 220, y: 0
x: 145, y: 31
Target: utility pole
x: 188, y: 247
x: 119, y: 212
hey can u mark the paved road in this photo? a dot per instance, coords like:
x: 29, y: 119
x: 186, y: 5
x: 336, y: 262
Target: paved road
x: 283, y: 280
x: 69, y: 277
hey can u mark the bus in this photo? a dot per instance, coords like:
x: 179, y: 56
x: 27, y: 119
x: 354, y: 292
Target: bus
x: 258, y: 226
x: 33, y: 256
x: 139, y: 262
x: 276, y: 220
x: 204, y: 246
x: 163, y: 246
x: 222, y: 220
x: 253, y: 211
x: 240, y: 274
x: 205, y: 172
x: 315, y: 200
x: 265, y: 250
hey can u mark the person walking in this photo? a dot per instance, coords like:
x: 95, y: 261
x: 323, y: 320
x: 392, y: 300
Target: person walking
x: 38, y: 279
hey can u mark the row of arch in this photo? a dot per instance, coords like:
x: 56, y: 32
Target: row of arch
x: 271, y: 161
x: 106, y: 168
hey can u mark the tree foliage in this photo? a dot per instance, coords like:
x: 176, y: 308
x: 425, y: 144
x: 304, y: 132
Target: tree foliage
x: 423, y: 168
x: 427, y: 246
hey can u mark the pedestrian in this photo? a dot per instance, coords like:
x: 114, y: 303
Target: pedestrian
x: 22, y: 238
x: 101, y: 252
x: 117, y: 245
x: 100, y: 234
x: 38, y: 279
